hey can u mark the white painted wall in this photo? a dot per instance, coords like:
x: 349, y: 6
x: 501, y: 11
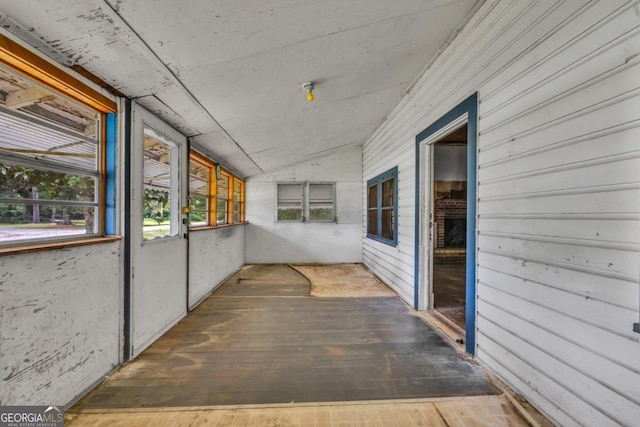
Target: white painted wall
x: 268, y: 241
x: 558, y: 197
x: 214, y: 255
x: 60, y: 314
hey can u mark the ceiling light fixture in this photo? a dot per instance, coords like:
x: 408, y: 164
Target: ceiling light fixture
x: 308, y: 87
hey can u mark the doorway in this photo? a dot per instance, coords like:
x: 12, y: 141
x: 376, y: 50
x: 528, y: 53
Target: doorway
x: 446, y: 207
x: 158, y: 237
x: 449, y: 223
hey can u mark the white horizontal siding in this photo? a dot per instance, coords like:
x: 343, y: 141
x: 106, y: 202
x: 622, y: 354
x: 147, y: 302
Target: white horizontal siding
x: 558, y: 197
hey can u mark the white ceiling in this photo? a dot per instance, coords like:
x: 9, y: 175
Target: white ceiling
x: 230, y: 73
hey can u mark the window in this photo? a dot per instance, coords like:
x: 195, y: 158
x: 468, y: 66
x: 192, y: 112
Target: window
x: 382, y: 207
x: 199, y: 191
x: 53, y: 153
x: 238, y: 201
x: 320, y: 202
x: 222, y: 198
x: 161, y: 156
x: 216, y: 196
x: 290, y: 202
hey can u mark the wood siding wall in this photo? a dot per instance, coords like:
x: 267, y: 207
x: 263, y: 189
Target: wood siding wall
x: 558, y: 197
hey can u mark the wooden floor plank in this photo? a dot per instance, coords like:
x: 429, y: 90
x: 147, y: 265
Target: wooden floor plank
x: 270, y: 346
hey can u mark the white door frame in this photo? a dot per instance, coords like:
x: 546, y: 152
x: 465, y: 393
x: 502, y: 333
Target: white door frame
x: 426, y: 246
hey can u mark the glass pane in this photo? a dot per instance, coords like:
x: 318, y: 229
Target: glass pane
x: 373, y: 196
x: 290, y: 202
x: 20, y: 182
x: 289, y: 214
x: 237, y: 203
x: 42, y: 125
x: 221, y: 216
x: 321, y: 214
x: 372, y: 222
x: 199, y: 177
x: 21, y: 221
x: 290, y: 193
x: 158, y: 179
x: 223, y: 187
x: 387, y: 193
x: 387, y: 224
x: 321, y: 193
x: 237, y: 188
x: 236, y: 212
x: 222, y: 190
x: 199, y: 214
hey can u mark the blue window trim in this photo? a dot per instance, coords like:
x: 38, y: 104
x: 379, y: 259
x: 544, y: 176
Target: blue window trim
x: 110, y: 172
x: 377, y: 181
x: 469, y: 107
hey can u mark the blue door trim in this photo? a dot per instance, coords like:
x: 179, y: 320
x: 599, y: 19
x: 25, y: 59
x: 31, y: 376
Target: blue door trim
x: 469, y: 107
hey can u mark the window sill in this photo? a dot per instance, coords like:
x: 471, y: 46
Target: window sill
x: 213, y: 227
x: 39, y: 247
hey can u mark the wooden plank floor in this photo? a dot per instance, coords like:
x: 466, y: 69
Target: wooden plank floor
x: 242, y: 347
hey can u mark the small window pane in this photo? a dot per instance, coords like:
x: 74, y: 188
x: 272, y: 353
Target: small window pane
x: 221, y: 215
x: 290, y: 202
x: 387, y: 224
x: 372, y: 227
x: 222, y: 196
x: 158, y: 179
x: 373, y: 196
x: 387, y: 193
x: 199, y: 183
x: 237, y: 201
x: 321, y: 203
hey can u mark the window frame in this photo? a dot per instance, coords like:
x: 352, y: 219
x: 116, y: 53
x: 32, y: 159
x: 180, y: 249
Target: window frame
x: 302, y: 200
x: 215, y: 172
x: 305, y: 201
x: 377, y: 182
x: 309, y: 201
x: 29, y: 66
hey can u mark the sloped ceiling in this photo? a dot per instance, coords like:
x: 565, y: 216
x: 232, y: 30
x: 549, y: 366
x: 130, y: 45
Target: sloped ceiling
x: 229, y: 74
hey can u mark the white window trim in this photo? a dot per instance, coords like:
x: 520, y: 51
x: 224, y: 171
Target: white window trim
x: 306, y: 201
x: 308, y: 185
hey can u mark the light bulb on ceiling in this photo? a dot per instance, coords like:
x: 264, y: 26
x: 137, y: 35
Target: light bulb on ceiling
x: 308, y: 87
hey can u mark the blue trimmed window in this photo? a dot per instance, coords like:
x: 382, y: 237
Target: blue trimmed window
x: 382, y: 207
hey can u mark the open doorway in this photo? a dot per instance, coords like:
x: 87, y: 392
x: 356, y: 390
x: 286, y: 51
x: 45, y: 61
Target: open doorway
x: 449, y: 213
x: 445, y: 270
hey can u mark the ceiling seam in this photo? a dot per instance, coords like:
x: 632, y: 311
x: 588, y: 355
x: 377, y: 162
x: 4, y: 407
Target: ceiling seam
x: 175, y: 77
